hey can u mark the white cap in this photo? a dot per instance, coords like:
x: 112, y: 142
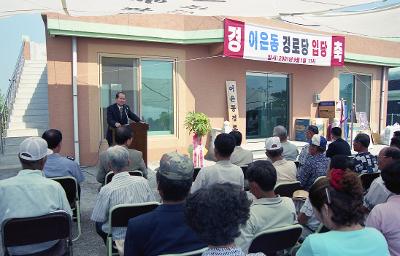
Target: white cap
x: 273, y: 143
x: 33, y: 149
x: 319, y: 141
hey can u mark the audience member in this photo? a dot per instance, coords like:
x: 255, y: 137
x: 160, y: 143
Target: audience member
x: 395, y: 142
x: 223, y: 171
x: 164, y: 230
x: 268, y: 210
x: 316, y: 164
x: 240, y: 156
x: 124, y: 138
x: 339, y: 146
x: 123, y: 189
x: 204, y: 213
x: 57, y: 165
x: 364, y: 161
x: 290, y: 151
x: 286, y: 170
x: 338, y: 204
x: 377, y: 192
x: 306, y: 216
x: 29, y: 194
x: 305, y: 152
x: 385, y: 217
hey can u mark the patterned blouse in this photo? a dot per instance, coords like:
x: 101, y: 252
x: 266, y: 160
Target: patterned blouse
x: 231, y: 251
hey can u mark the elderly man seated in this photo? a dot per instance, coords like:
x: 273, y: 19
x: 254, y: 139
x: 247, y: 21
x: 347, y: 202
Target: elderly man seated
x: 123, y: 189
x: 240, y: 156
x: 268, y: 210
x: 305, y: 152
x: 286, y: 170
x: 364, y: 161
x: 316, y: 164
x: 290, y: 151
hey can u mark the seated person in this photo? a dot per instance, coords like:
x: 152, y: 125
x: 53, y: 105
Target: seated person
x: 286, y: 170
x: 316, y: 164
x: 290, y: 151
x: 377, y: 192
x: 123, y: 189
x: 240, y: 156
x: 203, y: 214
x: 305, y: 152
x: 385, y: 217
x: 337, y: 202
x: 123, y: 137
x: 364, y: 161
x: 339, y: 146
x: 164, y: 230
x: 30, y: 194
x: 57, y: 165
x: 395, y: 141
x: 223, y: 171
x: 306, y: 216
x: 268, y: 210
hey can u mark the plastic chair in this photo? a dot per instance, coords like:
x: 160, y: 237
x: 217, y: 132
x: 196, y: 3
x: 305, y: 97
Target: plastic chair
x: 191, y: 253
x: 110, y: 175
x: 40, y: 229
x: 70, y: 186
x: 367, y: 179
x: 274, y: 240
x: 244, y: 170
x: 196, y: 172
x: 287, y: 189
x: 120, y: 215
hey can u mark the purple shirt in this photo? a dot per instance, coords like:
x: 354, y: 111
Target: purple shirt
x: 385, y: 217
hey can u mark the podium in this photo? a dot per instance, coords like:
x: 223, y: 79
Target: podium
x: 140, y: 138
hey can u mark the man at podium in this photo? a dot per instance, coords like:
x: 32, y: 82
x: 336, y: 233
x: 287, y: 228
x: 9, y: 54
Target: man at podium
x: 118, y: 114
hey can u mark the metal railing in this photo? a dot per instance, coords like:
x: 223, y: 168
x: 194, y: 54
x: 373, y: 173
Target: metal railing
x: 8, y: 103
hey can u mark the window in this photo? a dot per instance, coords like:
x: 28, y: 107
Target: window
x: 355, y: 88
x: 148, y: 85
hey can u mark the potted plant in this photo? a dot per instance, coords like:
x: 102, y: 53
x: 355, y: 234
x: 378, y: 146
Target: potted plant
x: 199, y: 124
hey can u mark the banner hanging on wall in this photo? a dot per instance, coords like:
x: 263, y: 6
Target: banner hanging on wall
x: 242, y: 40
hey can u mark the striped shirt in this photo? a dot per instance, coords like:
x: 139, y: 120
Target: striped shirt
x: 123, y: 189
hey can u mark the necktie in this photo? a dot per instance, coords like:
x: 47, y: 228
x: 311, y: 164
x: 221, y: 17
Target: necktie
x: 120, y: 112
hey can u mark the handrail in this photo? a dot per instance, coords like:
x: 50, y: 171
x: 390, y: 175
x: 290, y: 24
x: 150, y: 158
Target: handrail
x: 10, y: 97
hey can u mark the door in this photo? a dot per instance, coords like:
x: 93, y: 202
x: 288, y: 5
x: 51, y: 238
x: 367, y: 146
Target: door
x: 267, y: 103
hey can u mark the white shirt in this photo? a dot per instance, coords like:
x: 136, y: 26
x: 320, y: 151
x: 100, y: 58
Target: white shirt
x: 221, y: 172
x: 290, y: 151
x: 241, y: 156
x: 377, y: 193
x: 266, y: 213
x: 285, y: 171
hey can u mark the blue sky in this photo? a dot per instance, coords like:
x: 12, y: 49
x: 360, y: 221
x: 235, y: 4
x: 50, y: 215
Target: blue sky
x: 12, y: 29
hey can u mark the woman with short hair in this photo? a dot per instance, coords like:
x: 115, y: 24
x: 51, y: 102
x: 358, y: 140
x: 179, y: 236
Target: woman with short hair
x: 337, y: 203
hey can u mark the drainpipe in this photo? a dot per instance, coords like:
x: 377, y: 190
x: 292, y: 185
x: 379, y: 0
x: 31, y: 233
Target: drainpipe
x: 382, y: 97
x: 75, y: 96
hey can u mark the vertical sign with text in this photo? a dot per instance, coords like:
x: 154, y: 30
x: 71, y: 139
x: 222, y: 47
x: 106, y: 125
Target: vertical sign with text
x: 232, y: 102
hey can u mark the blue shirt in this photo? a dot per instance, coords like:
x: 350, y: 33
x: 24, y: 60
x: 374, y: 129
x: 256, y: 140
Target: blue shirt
x: 59, y: 166
x: 365, y: 162
x: 366, y: 241
x: 29, y: 194
x: 161, y: 231
x: 314, y: 167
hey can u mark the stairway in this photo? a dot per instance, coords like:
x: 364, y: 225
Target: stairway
x: 29, y: 115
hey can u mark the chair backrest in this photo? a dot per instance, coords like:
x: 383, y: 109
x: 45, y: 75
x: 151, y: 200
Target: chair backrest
x: 120, y: 214
x: 244, y: 170
x: 191, y: 253
x: 368, y: 178
x: 287, y: 189
x: 110, y: 175
x: 273, y: 240
x: 32, y: 230
x: 196, y: 172
x: 70, y: 186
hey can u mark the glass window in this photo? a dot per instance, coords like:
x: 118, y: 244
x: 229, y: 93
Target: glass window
x: 157, y: 95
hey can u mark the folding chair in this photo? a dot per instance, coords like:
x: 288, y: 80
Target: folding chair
x: 40, y: 229
x: 287, y: 189
x: 196, y: 172
x: 367, y: 179
x: 274, y: 240
x: 110, y: 175
x: 70, y: 186
x: 191, y: 253
x: 244, y: 170
x: 119, y: 217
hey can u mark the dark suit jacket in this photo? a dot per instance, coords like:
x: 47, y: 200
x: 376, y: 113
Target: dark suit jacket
x: 114, y: 116
x: 338, y: 147
x: 161, y: 231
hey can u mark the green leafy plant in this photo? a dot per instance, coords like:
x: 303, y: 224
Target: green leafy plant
x: 197, y: 123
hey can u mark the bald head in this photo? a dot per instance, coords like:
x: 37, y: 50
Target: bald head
x: 387, y: 156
